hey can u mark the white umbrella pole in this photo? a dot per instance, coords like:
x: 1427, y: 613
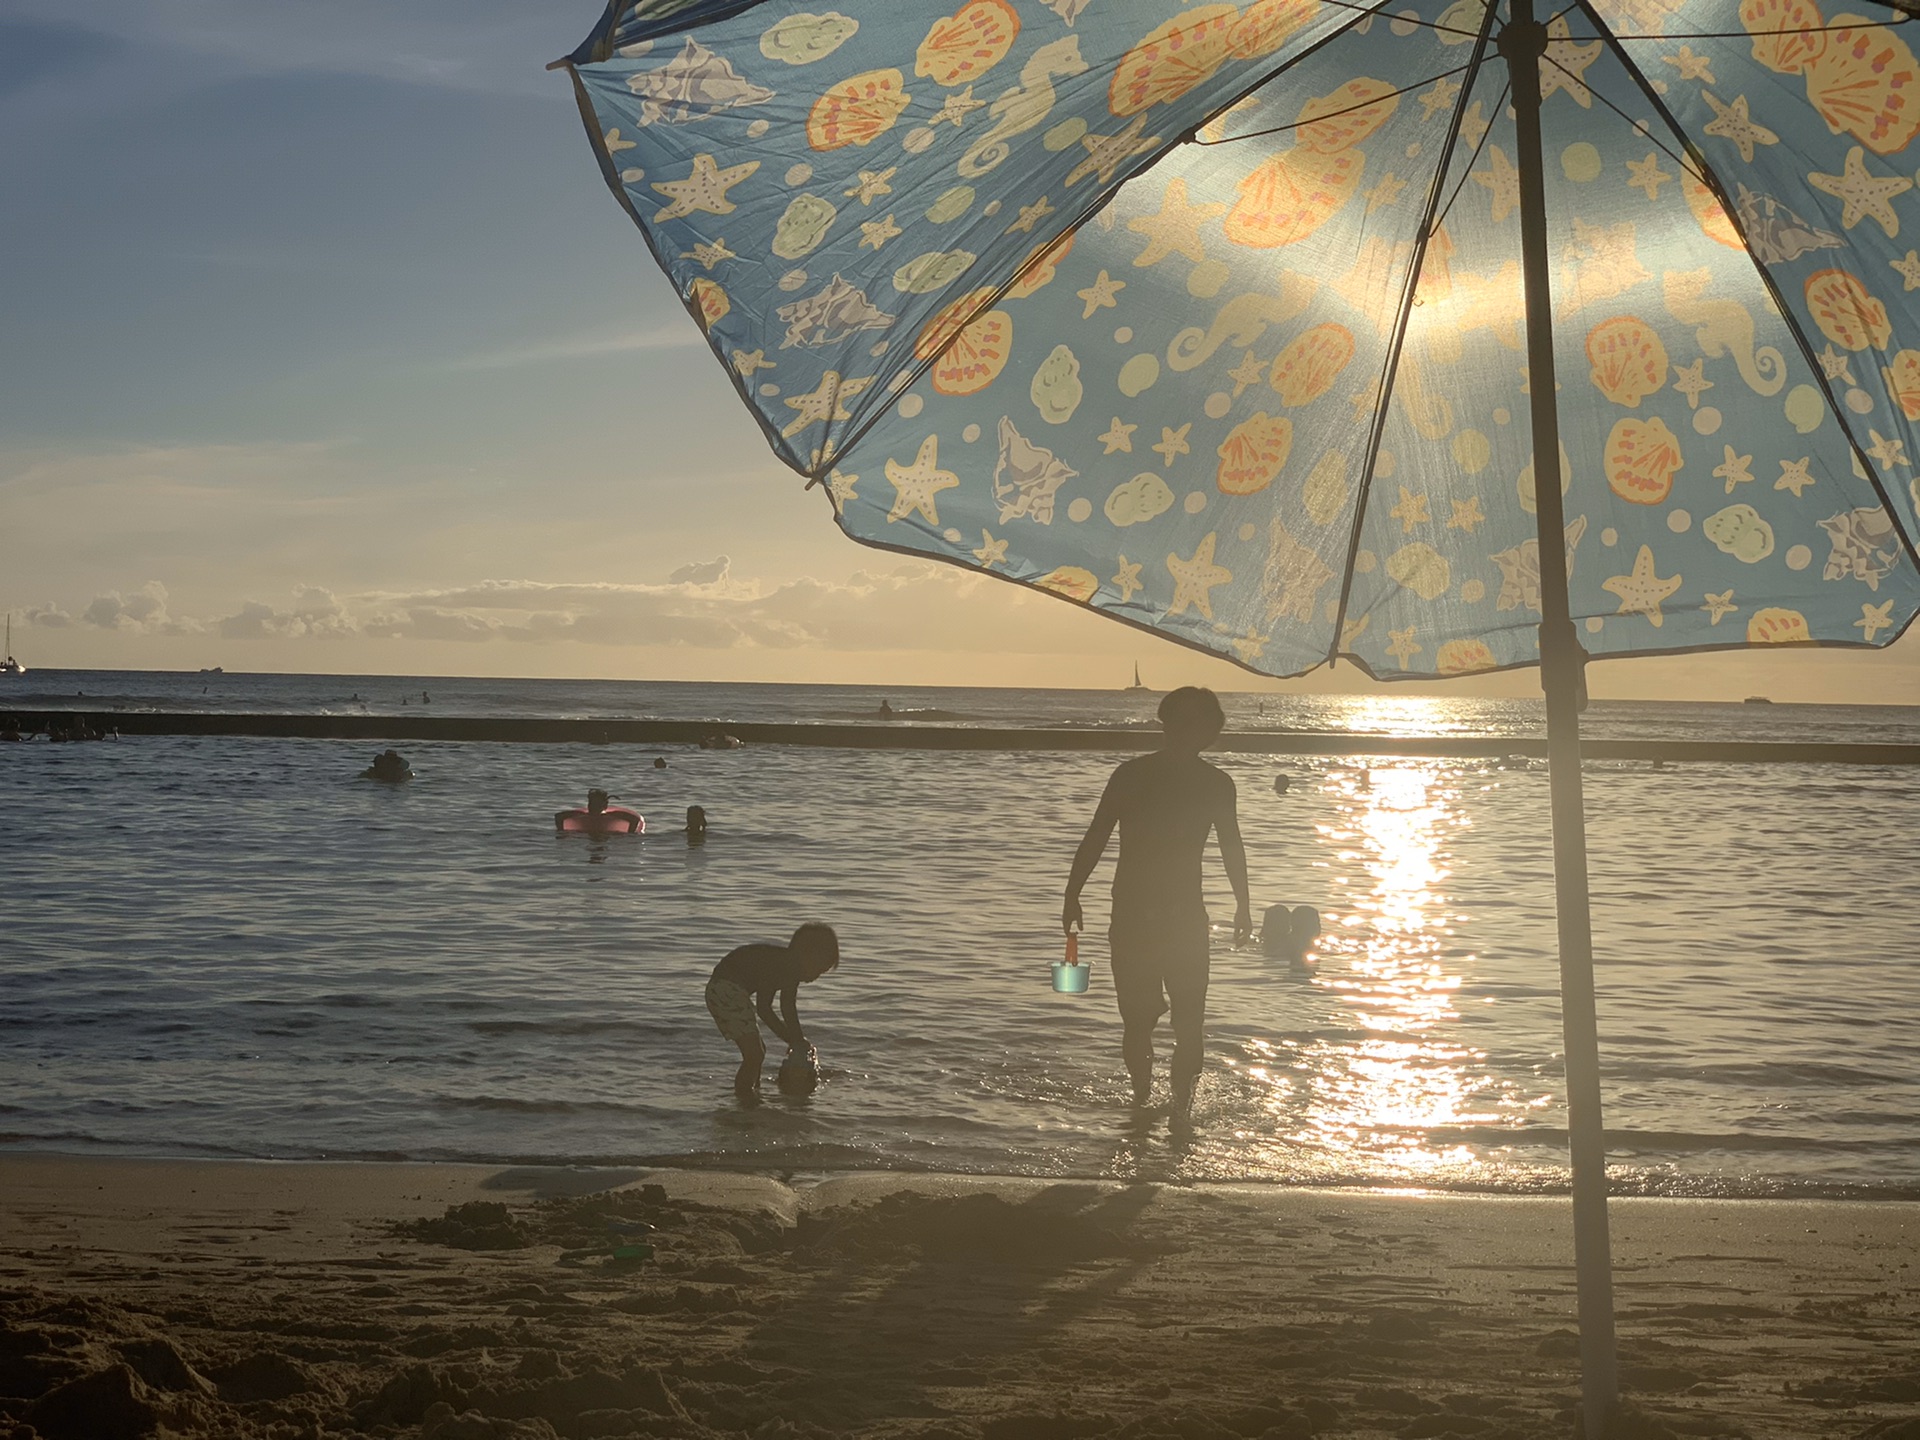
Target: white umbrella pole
x: 1523, y: 43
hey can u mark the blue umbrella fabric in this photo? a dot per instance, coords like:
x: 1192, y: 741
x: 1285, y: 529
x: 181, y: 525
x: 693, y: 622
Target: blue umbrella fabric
x: 1212, y: 320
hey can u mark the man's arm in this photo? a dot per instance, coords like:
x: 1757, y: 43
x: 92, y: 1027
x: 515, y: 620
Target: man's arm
x: 1232, y: 850
x: 1092, y: 846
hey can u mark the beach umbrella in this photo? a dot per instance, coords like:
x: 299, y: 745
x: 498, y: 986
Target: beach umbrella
x: 1438, y: 336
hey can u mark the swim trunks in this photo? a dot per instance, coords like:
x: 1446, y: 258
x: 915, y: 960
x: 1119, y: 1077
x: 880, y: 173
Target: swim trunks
x: 732, y: 1010
x: 1157, y: 962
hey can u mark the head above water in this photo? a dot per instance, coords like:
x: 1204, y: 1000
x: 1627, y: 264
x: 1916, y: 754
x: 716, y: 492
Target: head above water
x: 696, y: 819
x: 1192, y: 718
x: 818, y: 948
x: 596, y: 800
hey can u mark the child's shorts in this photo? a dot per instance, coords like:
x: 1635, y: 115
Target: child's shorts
x: 732, y: 1010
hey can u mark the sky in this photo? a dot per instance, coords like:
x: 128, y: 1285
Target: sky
x: 324, y: 348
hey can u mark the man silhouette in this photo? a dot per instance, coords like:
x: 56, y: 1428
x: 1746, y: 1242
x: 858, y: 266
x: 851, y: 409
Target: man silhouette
x: 1165, y: 804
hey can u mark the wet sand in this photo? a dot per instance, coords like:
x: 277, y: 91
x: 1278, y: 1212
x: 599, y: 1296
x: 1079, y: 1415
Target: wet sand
x: 281, y: 1301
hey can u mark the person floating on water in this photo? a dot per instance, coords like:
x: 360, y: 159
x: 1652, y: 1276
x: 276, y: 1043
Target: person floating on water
x: 600, y: 819
x: 696, y: 825
x: 1287, y: 936
x: 1165, y: 804
x: 390, y: 766
x: 741, y: 992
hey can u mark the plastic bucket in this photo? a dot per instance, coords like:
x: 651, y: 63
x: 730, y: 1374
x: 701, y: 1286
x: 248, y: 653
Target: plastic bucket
x: 1070, y: 979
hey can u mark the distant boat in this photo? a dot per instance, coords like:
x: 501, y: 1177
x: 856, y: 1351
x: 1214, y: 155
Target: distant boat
x: 211, y: 670
x: 11, y: 666
x: 1138, y: 683
x: 1757, y: 700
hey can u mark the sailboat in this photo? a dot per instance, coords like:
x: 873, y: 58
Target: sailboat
x: 1138, y: 683
x: 11, y: 666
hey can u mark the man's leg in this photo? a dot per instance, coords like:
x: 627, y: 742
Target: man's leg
x: 1186, y: 982
x: 1136, y: 986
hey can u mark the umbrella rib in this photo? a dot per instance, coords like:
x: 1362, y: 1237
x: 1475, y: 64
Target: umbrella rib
x: 1390, y: 371
x: 1711, y: 179
x: 1467, y: 174
x: 1332, y: 114
x: 859, y: 431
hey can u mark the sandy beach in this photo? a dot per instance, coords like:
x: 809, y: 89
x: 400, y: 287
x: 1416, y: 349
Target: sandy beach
x: 463, y: 1302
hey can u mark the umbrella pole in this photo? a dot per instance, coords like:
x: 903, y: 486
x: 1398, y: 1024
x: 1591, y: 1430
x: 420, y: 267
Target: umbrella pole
x: 1523, y: 42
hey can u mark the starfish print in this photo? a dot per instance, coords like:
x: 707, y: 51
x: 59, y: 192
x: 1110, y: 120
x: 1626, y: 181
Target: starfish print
x: 1718, y: 607
x: 877, y: 232
x: 1107, y: 153
x: 1030, y: 216
x: 1387, y: 192
x: 1100, y: 294
x: 1794, y: 476
x: 1501, y: 180
x: 1731, y: 122
x: 840, y: 488
x: 1835, y: 366
x: 960, y: 104
x: 1473, y: 125
x: 750, y: 362
x: 872, y: 184
x: 992, y: 552
x: 1176, y: 228
x: 1690, y: 65
x: 1691, y: 381
x: 709, y: 253
x: 1909, y: 269
x: 1642, y: 591
x: 1411, y: 511
x: 1250, y: 647
x: 1173, y: 443
x: 825, y: 403
x: 615, y: 143
x: 1564, y: 66
x: 915, y: 485
x: 1862, y: 194
x: 704, y: 189
x: 1467, y: 515
x: 1735, y: 471
x: 1127, y: 579
x: 1403, y: 648
x: 1647, y: 175
x: 1194, y: 579
x: 1250, y: 371
x: 1875, y: 618
x: 1118, y: 437
x: 1886, y: 451
x: 1439, y: 99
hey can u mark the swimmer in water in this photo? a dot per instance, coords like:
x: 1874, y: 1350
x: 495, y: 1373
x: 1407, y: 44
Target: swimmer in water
x: 741, y: 991
x: 1288, y: 935
x: 390, y: 766
x: 696, y: 825
x: 659, y: 762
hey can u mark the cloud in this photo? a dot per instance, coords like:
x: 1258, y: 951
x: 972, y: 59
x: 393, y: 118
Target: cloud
x: 314, y: 613
x: 50, y: 616
x: 595, y: 344
x: 702, y: 572
x: 142, y: 612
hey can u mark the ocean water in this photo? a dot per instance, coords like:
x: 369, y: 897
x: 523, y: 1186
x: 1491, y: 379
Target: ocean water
x: 236, y: 947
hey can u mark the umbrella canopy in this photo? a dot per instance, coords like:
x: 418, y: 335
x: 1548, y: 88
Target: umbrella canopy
x: 1214, y: 322
x: 1298, y: 330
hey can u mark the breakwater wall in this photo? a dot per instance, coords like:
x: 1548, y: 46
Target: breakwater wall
x: 396, y: 729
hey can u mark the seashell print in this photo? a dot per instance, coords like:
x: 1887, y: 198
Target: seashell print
x: 1629, y: 362
x: 1422, y: 569
x: 1777, y: 626
x: 1070, y: 581
x: 1289, y: 196
x: 1253, y: 453
x: 1172, y: 58
x: 695, y: 85
x: 1866, y: 83
x: 963, y: 46
x: 1350, y: 118
x: 1307, y: 368
x: 1464, y: 657
x: 857, y: 111
x: 1903, y: 382
x: 1846, y: 314
x: 951, y: 319
x: 1640, y: 459
x: 1039, y: 267
x: 973, y: 357
x: 1707, y: 209
x: 1788, y: 54
x: 712, y: 302
x: 1266, y: 25
x: 1865, y: 546
x: 804, y: 38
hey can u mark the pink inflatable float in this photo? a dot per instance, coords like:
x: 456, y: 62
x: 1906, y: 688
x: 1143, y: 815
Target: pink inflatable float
x: 599, y: 818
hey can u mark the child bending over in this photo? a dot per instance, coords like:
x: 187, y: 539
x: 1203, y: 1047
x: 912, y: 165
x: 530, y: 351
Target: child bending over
x: 740, y: 996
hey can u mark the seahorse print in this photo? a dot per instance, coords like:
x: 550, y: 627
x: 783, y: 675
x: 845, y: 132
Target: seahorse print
x: 1241, y: 321
x: 1722, y: 326
x: 1024, y: 106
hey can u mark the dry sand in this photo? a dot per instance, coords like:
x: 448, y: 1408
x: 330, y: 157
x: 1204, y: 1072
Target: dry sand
x: 255, y: 1300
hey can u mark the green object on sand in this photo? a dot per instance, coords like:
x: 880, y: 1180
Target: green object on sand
x: 629, y: 1253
